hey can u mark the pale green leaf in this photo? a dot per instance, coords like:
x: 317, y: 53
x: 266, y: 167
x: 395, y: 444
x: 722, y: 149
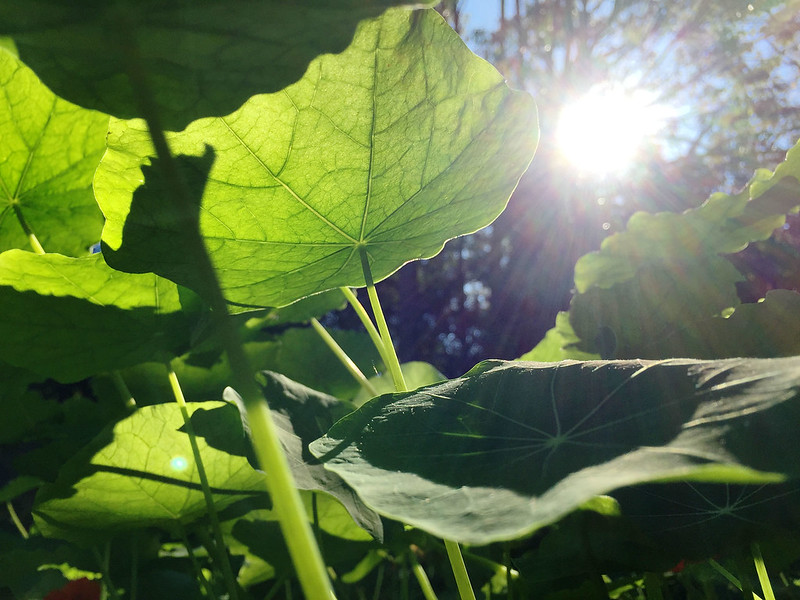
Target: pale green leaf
x: 69, y: 318
x: 391, y: 148
x: 48, y: 156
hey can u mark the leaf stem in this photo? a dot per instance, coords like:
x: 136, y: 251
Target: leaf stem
x: 422, y: 578
x: 264, y: 433
x: 123, y: 389
x: 193, y: 559
x: 32, y: 239
x: 761, y: 569
x: 459, y: 570
x: 388, y: 353
x: 17, y: 522
x: 367, y: 322
x: 343, y: 357
x: 730, y: 577
x: 219, y: 542
x: 453, y: 550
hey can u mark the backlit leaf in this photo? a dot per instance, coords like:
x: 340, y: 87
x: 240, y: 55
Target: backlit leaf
x: 398, y: 144
x: 48, y: 156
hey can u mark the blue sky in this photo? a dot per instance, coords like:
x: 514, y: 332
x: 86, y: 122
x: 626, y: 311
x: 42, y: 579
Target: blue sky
x: 480, y: 14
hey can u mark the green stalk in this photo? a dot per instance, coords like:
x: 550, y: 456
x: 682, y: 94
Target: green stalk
x: 264, y: 433
x: 122, y: 388
x: 761, y: 569
x: 366, y: 321
x: 730, y: 577
x: 389, y: 355
x: 453, y: 551
x: 343, y: 357
x: 219, y: 541
x: 15, y: 519
x: 422, y: 578
x: 32, y: 239
x: 195, y: 563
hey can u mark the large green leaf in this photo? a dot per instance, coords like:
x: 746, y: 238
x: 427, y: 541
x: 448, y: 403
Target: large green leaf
x: 664, y: 287
x: 198, y: 58
x: 69, y: 318
x: 511, y: 447
x: 48, y: 157
x: 401, y: 142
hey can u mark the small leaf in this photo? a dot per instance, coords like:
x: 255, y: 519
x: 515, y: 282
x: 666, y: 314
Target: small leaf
x: 511, y: 447
x: 199, y: 58
x: 398, y: 144
x: 49, y: 154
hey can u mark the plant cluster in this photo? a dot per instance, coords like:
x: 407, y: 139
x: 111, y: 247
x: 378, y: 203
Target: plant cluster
x: 179, y: 423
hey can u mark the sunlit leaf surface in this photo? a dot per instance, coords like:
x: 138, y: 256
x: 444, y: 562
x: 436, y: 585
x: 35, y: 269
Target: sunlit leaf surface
x: 398, y: 144
x: 70, y: 318
x: 511, y: 447
x: 48, y: 155
x: 198, y: 58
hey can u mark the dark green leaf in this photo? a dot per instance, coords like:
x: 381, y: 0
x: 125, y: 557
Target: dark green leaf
x: 48, y: 157
x: 398, y: 144
x: 511, y: 447
x: 199, y: 58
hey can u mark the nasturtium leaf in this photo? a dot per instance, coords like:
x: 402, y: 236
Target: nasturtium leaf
x: 142, y: 473
x: 391, y: 148
x: 511, y: 447
x: 198, y: 58
x: 558, y: 344
x: 48, y: 156
x: 662, y: 287
x: 69, y: 318
x: 303, y: 415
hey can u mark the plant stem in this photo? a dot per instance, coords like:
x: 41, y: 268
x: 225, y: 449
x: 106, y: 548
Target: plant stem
x: 219, y: 542
x: 122, y: 387
x: 367, y: 322
x: 16, y: 520
x: 389, y: 355
x: 343, y: 357
x: 459, y: 570
x: 453, y: 551
x: 264, y: 433
x: 730, y: 577
x: 103, y: 561
x: 32, y: 239
x: 195, y: 563
x: 422, y: 578
x: 761, y: 569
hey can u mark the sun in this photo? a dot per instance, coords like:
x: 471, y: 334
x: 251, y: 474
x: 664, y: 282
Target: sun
x: 602, y: 132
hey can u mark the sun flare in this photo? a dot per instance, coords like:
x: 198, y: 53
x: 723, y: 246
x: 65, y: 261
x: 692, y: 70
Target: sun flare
x: 603, y: 131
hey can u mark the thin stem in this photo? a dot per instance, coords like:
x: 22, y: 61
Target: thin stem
x: 264, y: 433
x: 422, y: 578
x: 219, y: 542
x: 102, y: 561
x: 134, y: 567
x: 730, y: 577
x: 32, y: 239
x: 15, y: 518
x: 367, y: 322
x: 386, y: 339
x: 195, y: 563
x: 453, y: 550
x: 761, y: 569
x: 122, y: 388
x: 343, y: 357
x: 379, y: 582
x: 459, y: 570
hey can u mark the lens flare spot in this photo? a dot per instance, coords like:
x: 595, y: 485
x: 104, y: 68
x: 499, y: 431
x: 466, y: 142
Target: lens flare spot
x: 179, y: 463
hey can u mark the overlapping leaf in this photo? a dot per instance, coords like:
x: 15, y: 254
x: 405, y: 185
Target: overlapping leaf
x: 511, y: 447
x: 198, y: 58
x: 664, y: 287
x: 401, y: 142
x: 48, y: 156
x: 70, y: 318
